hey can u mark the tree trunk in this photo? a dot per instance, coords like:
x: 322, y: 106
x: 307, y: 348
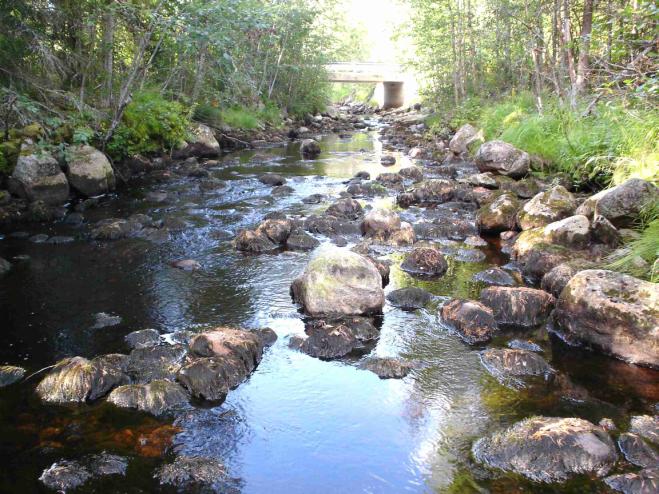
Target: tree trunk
x: 108, y: 59
x: 584, y: 48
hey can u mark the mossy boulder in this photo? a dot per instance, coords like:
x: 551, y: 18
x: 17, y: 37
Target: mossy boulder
x: 339, y: 282
x: 518, y: 306
x: 612, y: 312
x: 549, y: 449
x: 37, y: 176
x: 89, y: 171
x: 498, y: 215
x: 546, y: 207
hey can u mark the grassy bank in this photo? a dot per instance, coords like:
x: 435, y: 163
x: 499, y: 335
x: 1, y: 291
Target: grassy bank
x: 616, y: 141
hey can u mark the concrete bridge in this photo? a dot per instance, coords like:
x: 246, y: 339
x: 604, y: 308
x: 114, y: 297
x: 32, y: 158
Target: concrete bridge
x: 394, y: 88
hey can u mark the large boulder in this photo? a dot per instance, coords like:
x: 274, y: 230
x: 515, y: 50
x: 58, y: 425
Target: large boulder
x: 338, y: 281
x: 613, y: 312
x: 518, y: 306
x: 156, y: 397
x: 435, y: 191
x: 498, y: 215
x: 508, y: 364
x: 573, y: 231
x: 37, y: 176
x: 425, y: 261
x: 225, y: 342
x: 90, y: 172
x: 77, y: 379
x: 549, y: 449
x: 473, y: 321
x: 503, y: 158
x: 254, y: 242
x: 546, y: 207
x: 558, y: 278
x: 204, y: 143
x: 621, y: 204
x: 346, y: 208
x: 463, y: 137
x: 309, y: 148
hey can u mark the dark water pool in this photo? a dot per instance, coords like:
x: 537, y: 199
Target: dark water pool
x: 299, y: 424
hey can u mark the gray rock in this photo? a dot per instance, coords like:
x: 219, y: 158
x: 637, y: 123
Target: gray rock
x: 329, y: 341
x: 548, y: 449
x: 272, y: 179
x: 637, y: 451
x: 613, y: 312
x: 506, y: 364
x: 191, y: 471
x: 524, y: 345
x: 89, y: 171
x: 143, y: 338
x: 155, y: 362
x: 547, y: 207
x: 646, y: 426
x: 186, y: 265
x: 387, y: 367
x: 310, y: 148
x: 104, y: 320
x: 156, y: 398
x: 38, y: 177
x: 411, y: 298
x: 463, y: 138
x: 644, y: 482
x: 425, y: 261
x: 254, y: 242
x: 65, y: 475
x: 499, y: 214
x: 495, y: 277
x: 346, y: 208
x: 388, y: 160
x: 337, y: 281
x: 301, y: 241
x: 502, y: 158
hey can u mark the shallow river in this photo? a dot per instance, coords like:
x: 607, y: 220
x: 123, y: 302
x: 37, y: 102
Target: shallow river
x: 299, y: 424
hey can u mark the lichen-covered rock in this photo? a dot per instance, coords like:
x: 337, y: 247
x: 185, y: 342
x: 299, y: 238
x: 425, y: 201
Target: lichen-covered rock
x: 518, y: 306
x: 346, y: 208
x: 310, y: 148
x: 507, y: 364
x: 644, y: 482
x: 89, y: 171
x: 65, y: 475
x: 547, y: 207
x: 503, y: 158
x: 380, y: 222
x: 557, y: 279
x: 463, y: 137
x: 331, y: 340
x: 191, y: 473
x: 498, y: 215
x: 486, y: 180
x: 204, y: 143
x: 387, y: 367
x: 573, y: 231
x: 156, y: 397
x: 337, y: 281
x: 411, y: 298
x: 255, y: 242
x: 9, y: 374
x: 78, y: 379
x: 621, y: 204
x: 425, y: 261
x: 473, y: 321
x: 38, y: 177
x: 613, y: 312
x: 148, y: 363
x: 277, y: 230
x: 549, y: 449
x: 435, y: 191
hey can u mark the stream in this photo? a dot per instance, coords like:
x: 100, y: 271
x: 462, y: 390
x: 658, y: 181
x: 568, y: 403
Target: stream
x: 298, y: 424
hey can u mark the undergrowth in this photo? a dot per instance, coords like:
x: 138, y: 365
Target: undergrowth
x: 238, y: 117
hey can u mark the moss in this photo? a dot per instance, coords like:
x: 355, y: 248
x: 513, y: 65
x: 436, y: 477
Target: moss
x: 33, y: 131
x: 9, y: 151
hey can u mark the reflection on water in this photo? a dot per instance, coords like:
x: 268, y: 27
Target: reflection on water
x: 299, y: 424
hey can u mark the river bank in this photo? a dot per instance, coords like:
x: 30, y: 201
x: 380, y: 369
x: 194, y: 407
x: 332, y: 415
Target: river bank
x: 173, y: 255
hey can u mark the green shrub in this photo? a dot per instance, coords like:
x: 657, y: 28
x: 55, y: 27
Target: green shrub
x: 150, y: 124
x: 238, y: 117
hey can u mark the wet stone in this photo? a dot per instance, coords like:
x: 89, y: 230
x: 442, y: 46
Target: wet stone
x: 104, y: 320
x: 506, y: 365
x: 143, y: 338
x: 314, y: 199
x: 60, y: 239
x: 40, y: 238
x: 495, y: 277
x: 425, y: 261
x: 411, y: 298
x: 156, y: 398
x: 637, y: 451
x: 9, y: 374
x: 644, y: 482
x: 518, y: 306
x: 301, y: 241
x: 65, y: 475
x: 473, y: 321
x: 5, y: 266
x: 387, y: 367
x: 272, y: 179
x: 524, y: 345
x: 191, y: 471
x: 646, y: 426
x: 155, y: 362
x: 187, y: 265
x: 267, y: 336
x: 469, y: 255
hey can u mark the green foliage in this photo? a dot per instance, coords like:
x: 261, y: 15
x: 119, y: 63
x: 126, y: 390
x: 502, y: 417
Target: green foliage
x: 150, y: 124
x: 238, y: 117
x: 614, y: 143
x: 8, y: 155
x: 640, y: 257
x: 82, y: 135
x: 358, y: 92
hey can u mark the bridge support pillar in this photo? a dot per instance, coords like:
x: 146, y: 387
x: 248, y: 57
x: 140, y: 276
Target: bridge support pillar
x: 394, y: 96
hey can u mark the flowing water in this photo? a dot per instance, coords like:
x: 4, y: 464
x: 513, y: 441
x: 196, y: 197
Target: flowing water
x: 299, y: 424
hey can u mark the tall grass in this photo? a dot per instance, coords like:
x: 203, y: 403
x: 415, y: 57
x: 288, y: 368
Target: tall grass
x: 238, y: 117
x: 615, y: 143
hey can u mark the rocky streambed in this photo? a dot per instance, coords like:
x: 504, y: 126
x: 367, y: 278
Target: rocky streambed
x: 388, y: 315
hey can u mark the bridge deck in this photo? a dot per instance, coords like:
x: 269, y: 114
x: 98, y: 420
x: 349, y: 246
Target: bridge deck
x: 364, y: 72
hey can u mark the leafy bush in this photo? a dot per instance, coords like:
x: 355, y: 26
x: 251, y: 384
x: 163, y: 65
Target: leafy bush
x: 150, y: 124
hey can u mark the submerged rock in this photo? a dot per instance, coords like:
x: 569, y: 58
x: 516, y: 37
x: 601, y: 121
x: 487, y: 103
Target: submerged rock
x: 78, y: 379
x: 425, y: 261
x: 548, y: 449
x: 495, y: 277
x: 506, y: 364
x: 310, y: 148
x: 187, y: 265
x: 518, y: 306
x: 337, y: 281
x: 387, y: 367
x: 9, y: 374
x: 156, y: 397
x: 473, y: 321
x: 190, y: 471
x: 613, y: 312
x: 411, y: 298
x: 644, y: 482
